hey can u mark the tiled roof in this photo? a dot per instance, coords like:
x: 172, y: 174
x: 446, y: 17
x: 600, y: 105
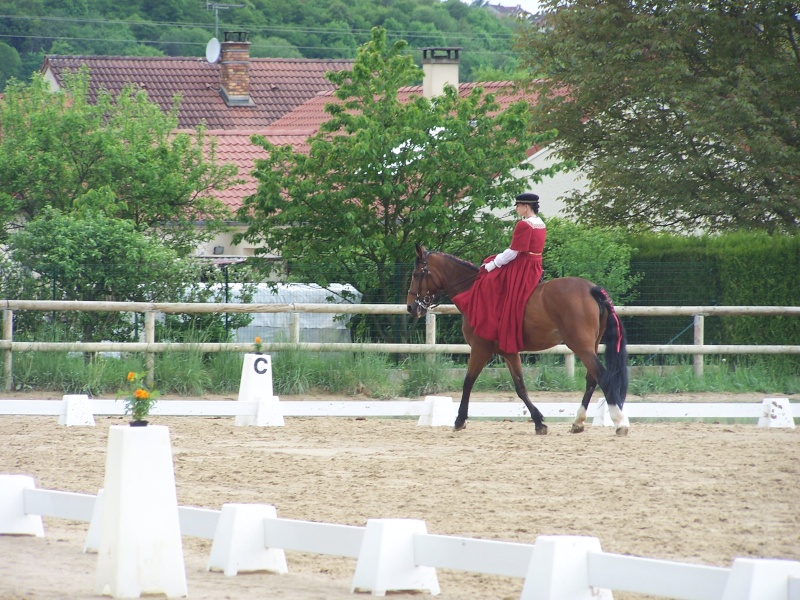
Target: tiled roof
x: 297, y: 126
x: 235, y: 147
x: 277, y: 85
x: 312, y: 113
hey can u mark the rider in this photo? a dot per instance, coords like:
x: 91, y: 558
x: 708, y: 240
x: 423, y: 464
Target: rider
x: 495, y: 304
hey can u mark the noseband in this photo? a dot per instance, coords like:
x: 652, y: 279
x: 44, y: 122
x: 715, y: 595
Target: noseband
x: 428, y: 300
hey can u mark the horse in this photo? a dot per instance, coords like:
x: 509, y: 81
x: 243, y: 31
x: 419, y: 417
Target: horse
x: 571, y: 310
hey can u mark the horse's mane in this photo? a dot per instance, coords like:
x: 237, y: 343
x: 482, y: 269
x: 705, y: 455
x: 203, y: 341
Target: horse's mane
x: 455, y: 259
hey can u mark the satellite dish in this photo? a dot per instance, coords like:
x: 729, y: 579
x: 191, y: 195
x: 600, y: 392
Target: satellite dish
x: 212, y: 50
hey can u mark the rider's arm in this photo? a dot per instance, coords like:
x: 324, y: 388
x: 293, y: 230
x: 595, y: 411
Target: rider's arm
x: 505, y: 257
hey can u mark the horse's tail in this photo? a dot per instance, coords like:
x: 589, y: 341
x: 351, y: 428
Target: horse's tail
x: 616, y: 384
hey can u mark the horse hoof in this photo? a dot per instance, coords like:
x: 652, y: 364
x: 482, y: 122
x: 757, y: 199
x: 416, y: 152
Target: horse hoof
x: 576, y: 428
x: 458, y: 427
x: 541, y: 430
x: 622, y: 431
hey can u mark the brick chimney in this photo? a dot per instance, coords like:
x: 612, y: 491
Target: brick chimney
x: 439, y: 67
x: 235, y: 69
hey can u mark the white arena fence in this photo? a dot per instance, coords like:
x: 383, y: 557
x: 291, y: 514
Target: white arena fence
x: 399, y: 554
x: 432, y: 411
x: 151, y: 309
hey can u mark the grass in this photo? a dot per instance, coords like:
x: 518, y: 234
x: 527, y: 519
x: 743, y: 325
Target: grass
x: 193, y: 374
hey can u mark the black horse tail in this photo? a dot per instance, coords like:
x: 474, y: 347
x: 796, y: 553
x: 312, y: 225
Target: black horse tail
x: 616, y: 376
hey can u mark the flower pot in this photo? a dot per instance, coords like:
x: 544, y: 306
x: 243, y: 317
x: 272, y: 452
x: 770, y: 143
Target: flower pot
x: 138, y: 423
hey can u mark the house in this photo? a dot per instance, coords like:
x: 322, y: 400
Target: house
x: 280, y: 99
x: 235, y: 92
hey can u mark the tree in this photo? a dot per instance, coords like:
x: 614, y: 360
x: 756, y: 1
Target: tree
x: 382, y: 174
x: 683, y: 114
x: 118, y: 155
x: 89, y: 256
x: 10, y: 63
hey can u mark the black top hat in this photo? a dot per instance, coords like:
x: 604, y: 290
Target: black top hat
x: 527, y: 198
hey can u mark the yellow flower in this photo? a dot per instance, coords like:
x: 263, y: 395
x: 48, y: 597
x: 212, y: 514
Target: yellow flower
x: 258, y: 340
x: 141, y: 394
x: 131, y: 376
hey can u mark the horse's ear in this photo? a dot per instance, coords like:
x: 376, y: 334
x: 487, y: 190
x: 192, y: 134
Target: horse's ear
x: 420, y: 250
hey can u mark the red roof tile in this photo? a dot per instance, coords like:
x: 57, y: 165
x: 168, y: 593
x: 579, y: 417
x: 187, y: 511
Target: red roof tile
x: 312, y: 112
x: 235, y: 147
x: 296, y: 127
x: 277, y: 85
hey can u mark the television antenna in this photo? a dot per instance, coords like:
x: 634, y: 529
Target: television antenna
x: 216, y: 8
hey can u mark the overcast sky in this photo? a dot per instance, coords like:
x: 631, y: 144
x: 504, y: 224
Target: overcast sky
x: 532, y: 6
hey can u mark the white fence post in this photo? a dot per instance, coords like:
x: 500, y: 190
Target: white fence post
x: 559, y: 569
x: 439, y: 411
x: 760, y: 579
x: 777, y: 412
x: 13, y: 519
x: 77, y: 411
x: 150, y: 338
x: 239, y: 543
x: 386, y: 560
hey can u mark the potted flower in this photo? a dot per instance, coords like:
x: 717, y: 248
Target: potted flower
x: 138, y: 399
x: 258, y: 345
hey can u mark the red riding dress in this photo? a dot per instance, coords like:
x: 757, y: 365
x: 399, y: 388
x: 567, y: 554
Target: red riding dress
x: 495, y: 305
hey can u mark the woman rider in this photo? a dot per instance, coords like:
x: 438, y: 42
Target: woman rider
x: 495, y: 304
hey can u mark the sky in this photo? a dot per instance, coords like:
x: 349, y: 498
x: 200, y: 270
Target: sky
x: 532, y: 6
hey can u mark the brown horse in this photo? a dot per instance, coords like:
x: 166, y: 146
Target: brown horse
x: 569, y: 310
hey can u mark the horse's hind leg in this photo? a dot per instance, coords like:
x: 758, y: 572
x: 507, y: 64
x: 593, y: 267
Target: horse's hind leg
x: 596, y: 370
x: 580, y: 418
x: 515, y: 367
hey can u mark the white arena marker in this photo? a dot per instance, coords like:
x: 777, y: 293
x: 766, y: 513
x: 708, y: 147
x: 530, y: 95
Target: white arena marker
x: 140, y: 538
x: 386, y: 560
x: 77, y: 411
x: 776, y: 412
x: 439, y: 411
x: 13, y: 519
x: 256, y: 386
x: 239, y: 544
x: 602, y: 416
x: 559, y: 568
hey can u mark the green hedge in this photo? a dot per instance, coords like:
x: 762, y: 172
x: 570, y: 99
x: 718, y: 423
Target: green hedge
x: 737, y: 269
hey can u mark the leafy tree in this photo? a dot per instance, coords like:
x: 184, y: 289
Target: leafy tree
x: 89, y: 256
x: 599, y: 254
x: 119, y: 155
x: 382, y: 174
x: 684, y: 114
x: 10, y: 63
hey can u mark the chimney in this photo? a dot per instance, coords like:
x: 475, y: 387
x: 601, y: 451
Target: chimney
x: 235, y: 69
x: 439, y: 67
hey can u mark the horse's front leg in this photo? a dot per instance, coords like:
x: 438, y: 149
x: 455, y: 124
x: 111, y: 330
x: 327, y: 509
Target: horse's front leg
x: 515, y: 367
x: 477, y: 361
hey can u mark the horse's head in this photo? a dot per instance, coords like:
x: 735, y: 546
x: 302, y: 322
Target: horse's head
x: 421, y: 289
x: 437, y: 274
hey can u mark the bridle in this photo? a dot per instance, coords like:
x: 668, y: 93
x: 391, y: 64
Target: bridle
x: 428, y: 300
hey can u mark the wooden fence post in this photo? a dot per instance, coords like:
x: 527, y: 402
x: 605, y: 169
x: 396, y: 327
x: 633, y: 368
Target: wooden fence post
x: 150, y: 338
x: 8, y: 361
x: 295, y: 328
x: 698, y: 359
x: 430, y: 334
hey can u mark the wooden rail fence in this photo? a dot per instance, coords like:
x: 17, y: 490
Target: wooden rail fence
x: 150, y: 347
